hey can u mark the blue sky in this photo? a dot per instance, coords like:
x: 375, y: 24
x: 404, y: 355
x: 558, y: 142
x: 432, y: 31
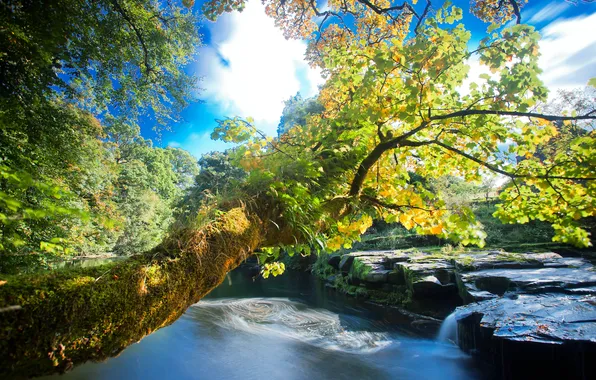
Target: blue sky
x: 249, y: 69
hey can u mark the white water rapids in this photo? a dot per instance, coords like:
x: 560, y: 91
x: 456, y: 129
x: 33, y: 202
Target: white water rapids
x: 294, y: 320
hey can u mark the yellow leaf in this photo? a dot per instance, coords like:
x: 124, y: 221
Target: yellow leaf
x: 436, y: 229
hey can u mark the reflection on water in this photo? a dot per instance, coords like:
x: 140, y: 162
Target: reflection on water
x: 289, y: 327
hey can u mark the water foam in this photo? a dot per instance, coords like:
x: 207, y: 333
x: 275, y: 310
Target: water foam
x: 294, y: 320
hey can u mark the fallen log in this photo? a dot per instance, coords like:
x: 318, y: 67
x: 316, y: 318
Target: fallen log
x: 53, y: 321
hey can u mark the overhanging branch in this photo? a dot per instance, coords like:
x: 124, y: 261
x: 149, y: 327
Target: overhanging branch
x: 535, y: 115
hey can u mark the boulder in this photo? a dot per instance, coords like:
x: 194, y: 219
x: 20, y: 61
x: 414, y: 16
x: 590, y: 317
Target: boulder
x: 554, y: 335
x: 396, y: 278
x: 385, y: 258
x: 492, y: 283
x: 345, y: 264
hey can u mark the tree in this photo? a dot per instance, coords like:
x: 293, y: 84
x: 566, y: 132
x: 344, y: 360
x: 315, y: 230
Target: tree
x: 217, y: 177
x: 393, y: 106
x: 115, y: 57
x: 75, y: 77
x: 296, y: 111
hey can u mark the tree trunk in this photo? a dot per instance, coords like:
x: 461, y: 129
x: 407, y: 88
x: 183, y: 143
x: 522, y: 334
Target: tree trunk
x: 50, y: 322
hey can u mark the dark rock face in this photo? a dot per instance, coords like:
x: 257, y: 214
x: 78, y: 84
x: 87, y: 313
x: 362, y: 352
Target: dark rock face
x: 531, y: 310
x: 542, y: 274
x: 535, y: 310
x: 428, y: 277
x: 552, y: 333
x: 334, y: 261
x: 384, y: 259
x: 548, y: 318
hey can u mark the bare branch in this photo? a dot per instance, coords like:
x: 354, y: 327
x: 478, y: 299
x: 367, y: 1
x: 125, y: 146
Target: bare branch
x: 516, y: 10
x: 394, y: 206
x: 467, y: 112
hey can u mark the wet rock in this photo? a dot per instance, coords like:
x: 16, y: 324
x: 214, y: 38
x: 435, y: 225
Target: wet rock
x: 377, y: 275
x: 504, y: 260
x: 396, y: 278
x: 345, y: 264
x: 492, y: 283
x: 431, y: 287
x: 391, y: 258
x: 334, y: 261
x: 551, y: 332
x: 428, y: 277
x: 385, y: 258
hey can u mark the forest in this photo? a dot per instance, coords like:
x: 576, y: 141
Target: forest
x: 399, y: 137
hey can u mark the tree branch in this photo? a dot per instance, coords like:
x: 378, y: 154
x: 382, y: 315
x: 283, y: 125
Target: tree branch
x: 465, y: 113
x: 516, y: 10
x: 421, y: 18
x: 496, y: 169
x: 130, y: 22
x: 374, y: 156
x: 394, y: 206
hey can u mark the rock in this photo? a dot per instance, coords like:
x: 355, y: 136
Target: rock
x: 504, y: 260
x: 393, y: 257
x: 377, y: 275
x: 396, y: 278
x: 492, y: 283
x: 431, y: 287
x: 537, y: 308
x: 345, y: 264
x: 334, y: 261
x: 385, y: 258
x: 428, y: 278
x: 521, y: 331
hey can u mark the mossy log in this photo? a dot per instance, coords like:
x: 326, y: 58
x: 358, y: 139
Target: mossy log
x: 50, y: 322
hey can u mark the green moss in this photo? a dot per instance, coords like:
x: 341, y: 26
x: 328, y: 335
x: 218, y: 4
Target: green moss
x: 400, y: 296
x: 359, y: 269
x: 70, y: 316
x: 509, y: 256
x: 321, y: 268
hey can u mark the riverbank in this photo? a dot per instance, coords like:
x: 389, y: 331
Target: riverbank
x: 541, y: 304
x: 287, y: 327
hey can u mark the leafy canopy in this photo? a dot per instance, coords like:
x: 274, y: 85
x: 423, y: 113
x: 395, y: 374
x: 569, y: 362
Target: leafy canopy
x: 396, y: 104
x: 76, y: 75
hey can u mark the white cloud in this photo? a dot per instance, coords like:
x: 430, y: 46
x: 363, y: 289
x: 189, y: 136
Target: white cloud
x: 252, y: 70
x: 549, y: 12
x: 568, y: 55
x: 568, y: 49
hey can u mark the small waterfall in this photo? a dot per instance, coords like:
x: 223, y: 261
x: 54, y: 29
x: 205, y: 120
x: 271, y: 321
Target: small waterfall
x: 284, y: 318
x: 448, y: 330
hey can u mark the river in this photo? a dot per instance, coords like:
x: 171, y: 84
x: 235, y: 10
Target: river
x: 289, y: 327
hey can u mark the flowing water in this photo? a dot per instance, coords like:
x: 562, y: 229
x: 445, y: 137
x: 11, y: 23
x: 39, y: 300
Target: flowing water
x: 448, y: 331
x: 290, y: 327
